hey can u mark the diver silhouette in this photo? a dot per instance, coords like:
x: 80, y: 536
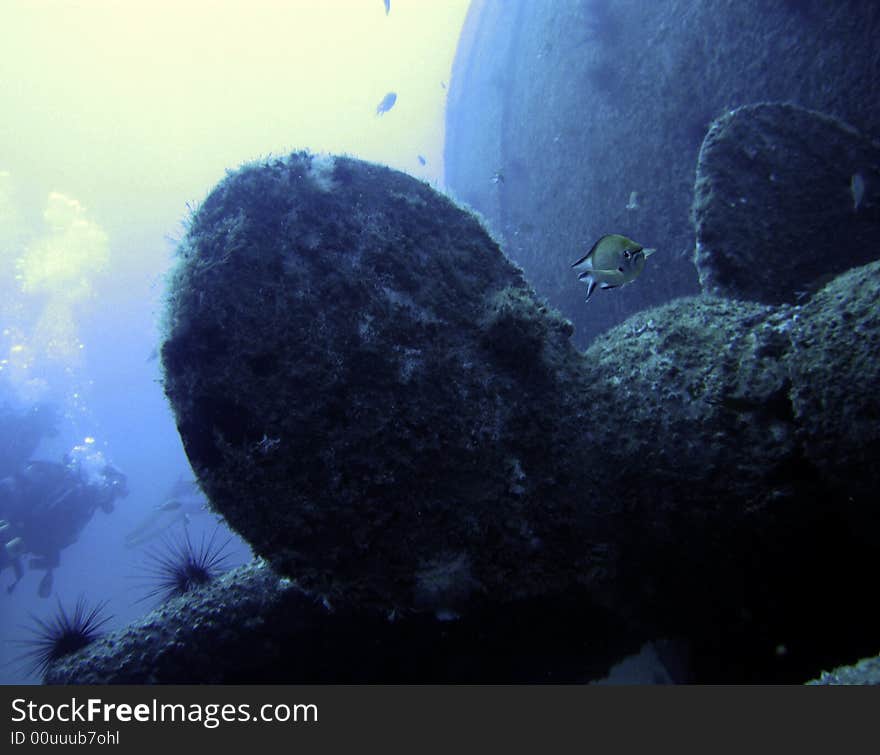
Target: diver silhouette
x: 44, y: 507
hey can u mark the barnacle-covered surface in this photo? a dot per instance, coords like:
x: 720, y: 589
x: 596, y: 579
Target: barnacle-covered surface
x: 784, y: 199
x: 370, y: 392
x: 835, y: 374
x: 253, y: 626
x: 730, y: 438
x: 374, y: 397
x: 211, y: 635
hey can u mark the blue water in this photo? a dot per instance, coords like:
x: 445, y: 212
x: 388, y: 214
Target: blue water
x: 107, y: 139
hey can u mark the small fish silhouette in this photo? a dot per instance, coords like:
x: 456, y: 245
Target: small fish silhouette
x: 387, y: 103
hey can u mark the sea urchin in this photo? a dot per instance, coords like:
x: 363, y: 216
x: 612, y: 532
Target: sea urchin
x: 63, y: 634
x: 178, y: 565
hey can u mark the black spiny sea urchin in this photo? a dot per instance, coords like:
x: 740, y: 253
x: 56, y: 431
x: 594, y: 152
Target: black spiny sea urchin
x: 63, y: 634
x: 178, y: 565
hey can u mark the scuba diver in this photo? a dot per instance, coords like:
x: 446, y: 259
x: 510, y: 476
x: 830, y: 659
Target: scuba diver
x: 47, y: 504
x: 21, y: 433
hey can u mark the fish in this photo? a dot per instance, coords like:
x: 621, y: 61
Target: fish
x: 422, y: 160
x: 183, y: 501
x: 857, y: 189
x: 387, y: 103
x: 633, y: 203
x: 160, y: 519
x: 613, y: 261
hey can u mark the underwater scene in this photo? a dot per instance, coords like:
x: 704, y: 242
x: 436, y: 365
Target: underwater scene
x: 439, y: 341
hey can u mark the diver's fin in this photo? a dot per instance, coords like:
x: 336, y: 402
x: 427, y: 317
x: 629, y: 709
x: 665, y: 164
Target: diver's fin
x: 19, y: 573
x: 45, y: 588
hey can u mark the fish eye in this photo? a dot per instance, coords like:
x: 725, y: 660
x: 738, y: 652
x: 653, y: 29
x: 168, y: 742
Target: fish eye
x: 626, y: 254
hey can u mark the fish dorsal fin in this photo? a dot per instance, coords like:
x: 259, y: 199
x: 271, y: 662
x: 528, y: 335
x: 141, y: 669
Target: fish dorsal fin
x: 589, y: 254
